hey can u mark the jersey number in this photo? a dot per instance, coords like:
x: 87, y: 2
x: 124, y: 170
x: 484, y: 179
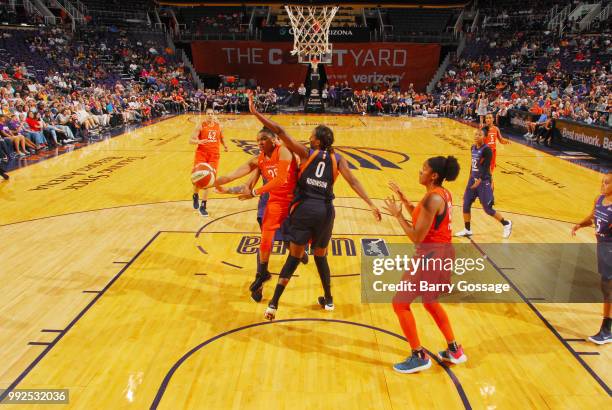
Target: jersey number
x: 320, y: 169
x: 212, y: 135
x: 474, y: 164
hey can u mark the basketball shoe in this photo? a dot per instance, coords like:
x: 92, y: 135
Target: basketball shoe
x: 417, y: 362
x: 453, y: 357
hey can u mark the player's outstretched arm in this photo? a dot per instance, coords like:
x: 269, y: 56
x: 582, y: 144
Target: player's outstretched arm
x: 252, y: 181
x: 239, y: 172
x: 588, y: 221
x: 357, y: 187
x: 290, y: 142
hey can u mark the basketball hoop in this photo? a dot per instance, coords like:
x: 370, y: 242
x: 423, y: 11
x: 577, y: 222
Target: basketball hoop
x: 311, y: 33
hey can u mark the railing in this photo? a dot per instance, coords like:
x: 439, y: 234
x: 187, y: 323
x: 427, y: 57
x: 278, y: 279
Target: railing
x: 251, y: 20
x: 50, y: 20
x: 176, y: 26
x: 73, y: 13
x: 125, y: 15
x: 381, y: 22
x: 194, y: 75
x: 551, y: 14
x: 557, y: 21
x: 157, y: 19
x: 461, y: 46
x: 439, y: 73
x: 188, y: 36
x: 585, y: 23
x: 475, y: 22
x: 459, y: 24
x: 445, y: 38
x: 44, y: 12
x: 605, y: 13
x: 80, y: 7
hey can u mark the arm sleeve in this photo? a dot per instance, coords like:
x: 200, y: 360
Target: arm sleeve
x: 485, y: 165
x: 278, y: 180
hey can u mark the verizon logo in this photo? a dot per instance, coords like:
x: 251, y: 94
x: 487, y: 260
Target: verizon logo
x: 376, y: 78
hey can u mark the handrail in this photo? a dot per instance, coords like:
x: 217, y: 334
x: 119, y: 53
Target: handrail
x: 585, y: 23
x: 475, y: 22
x: 459, y: 23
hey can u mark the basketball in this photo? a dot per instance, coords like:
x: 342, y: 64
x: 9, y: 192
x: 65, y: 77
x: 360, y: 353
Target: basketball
x: 203, y: 175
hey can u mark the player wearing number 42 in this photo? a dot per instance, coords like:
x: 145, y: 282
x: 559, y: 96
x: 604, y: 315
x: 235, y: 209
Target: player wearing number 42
x: 207, y: 136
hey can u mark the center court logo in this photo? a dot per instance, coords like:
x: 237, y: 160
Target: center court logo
x: 357, y: 157
x: 374, y: 247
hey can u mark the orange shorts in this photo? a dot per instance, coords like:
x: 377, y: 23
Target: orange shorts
x: 207, y: 156
x: 274, y: 215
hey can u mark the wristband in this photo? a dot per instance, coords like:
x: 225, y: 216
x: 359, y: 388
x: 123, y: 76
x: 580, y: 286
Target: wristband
x: 254, y: 192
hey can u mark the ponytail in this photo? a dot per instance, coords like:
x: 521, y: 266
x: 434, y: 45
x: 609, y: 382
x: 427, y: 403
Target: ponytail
x: 447, y: 168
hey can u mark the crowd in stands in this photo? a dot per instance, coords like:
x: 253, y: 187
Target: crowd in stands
x: 568, y: 77
x: 226, y: 23
x: 58, y: 87
x: 80, y: 86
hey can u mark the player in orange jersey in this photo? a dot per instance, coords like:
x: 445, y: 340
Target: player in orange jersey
x: 430, y: 231
x: 492, y: 136
x: 207, y: 136
x: 279, y: 168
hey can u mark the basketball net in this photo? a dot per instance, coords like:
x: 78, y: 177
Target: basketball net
x: 311, y: 33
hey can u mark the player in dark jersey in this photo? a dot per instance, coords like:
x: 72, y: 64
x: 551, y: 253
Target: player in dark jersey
x: 601, y: 215
x: 479, y: 186
x: 312, y: 212
x: 431, y: 232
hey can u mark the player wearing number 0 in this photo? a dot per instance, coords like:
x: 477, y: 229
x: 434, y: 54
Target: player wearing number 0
x: 602, y: 216
x: 430, y: 230
x: 492, y: 136
x: 207, y: 136
x: 480, y: 186
x: 279, y: 168
x: 312, y: 212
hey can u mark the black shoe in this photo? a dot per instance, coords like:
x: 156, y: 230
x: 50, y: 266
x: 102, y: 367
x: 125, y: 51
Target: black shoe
x: 304, y: 259
x: 257, y: 295
x: 259, y: 281
x: 203, y: 211
x: 4, y: 175
x: 327, y: 304
x: 196, y: 201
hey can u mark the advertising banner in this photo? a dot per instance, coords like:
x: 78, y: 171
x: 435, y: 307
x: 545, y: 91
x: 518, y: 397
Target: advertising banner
x: 336, y: 34
x: 596, y: 140
x: 362, y: 65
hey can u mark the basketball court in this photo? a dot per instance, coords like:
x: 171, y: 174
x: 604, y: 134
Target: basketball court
x: 119, y: 291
